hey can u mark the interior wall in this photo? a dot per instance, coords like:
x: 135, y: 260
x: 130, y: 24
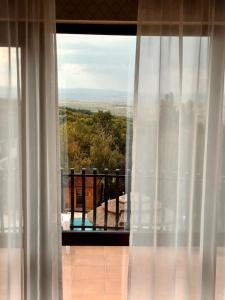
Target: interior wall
x: 97, y: 10
x: 127, y: 10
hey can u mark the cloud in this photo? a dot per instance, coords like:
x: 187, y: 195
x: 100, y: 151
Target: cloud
x: 93, y: 76
x: 92, y: 61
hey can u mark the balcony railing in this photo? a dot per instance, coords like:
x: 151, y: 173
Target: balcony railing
x: 96, y: 199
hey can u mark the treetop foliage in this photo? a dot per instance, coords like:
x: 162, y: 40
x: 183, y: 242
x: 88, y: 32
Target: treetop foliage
x: 92, y: 140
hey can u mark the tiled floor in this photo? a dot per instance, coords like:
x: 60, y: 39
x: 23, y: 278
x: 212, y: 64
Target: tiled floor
x: 100, y: 273
x: 95, y: 272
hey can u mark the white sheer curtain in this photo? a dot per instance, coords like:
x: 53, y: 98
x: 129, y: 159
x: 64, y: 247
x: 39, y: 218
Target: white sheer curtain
x: 178, y: 190
x: 29, y: 206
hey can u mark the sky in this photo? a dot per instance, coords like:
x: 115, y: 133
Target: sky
x: 96, y: 61
x: 108, y: 63
x: 101, y: 62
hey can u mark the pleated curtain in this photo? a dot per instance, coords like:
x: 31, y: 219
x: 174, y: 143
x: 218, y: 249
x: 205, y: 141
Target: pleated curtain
x: 177, y: 243
x: 30, y: 240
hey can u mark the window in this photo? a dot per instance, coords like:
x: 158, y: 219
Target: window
x: 96, y: 82
x: 96, y: 75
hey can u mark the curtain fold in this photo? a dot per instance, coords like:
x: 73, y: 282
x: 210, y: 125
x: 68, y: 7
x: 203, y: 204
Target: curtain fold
x: 178, y: 228
x: 30, y: 237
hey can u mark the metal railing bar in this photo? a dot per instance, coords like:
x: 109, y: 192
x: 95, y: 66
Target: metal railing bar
x: 117, y: 198
x: 106, y: 199
x: 72, y: 197
x: 62, y: 192
x: 128, y: 199
x: 106, y: 181
x: 97, y: 175
x: 83, y: 198
x: 96, y: 226
x: 94, y: 197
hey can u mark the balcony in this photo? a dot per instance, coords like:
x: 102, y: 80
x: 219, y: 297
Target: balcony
x: 95, y: 208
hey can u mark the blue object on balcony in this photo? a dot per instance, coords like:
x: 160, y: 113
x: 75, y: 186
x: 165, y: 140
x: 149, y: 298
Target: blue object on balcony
x: 78, y: 222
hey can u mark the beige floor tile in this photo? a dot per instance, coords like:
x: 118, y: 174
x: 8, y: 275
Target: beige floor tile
x: 116, y: 260
x: 114, y: 286
x: 114, y: 297
x: 89, y: 273
x: 88, y: 297
x: 116, y: 250
x: 88, y: 260
x: 87, y: 287
x: 89, y: 250
x: 96, y: 273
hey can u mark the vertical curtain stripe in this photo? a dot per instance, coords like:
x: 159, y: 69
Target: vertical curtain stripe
x: 177, y: 223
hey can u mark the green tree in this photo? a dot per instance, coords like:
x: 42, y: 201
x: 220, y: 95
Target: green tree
x: 90, y: 139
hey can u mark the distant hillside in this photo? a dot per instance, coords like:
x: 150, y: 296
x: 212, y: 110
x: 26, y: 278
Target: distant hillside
x: 94, y: 95
x: 117, y: 109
